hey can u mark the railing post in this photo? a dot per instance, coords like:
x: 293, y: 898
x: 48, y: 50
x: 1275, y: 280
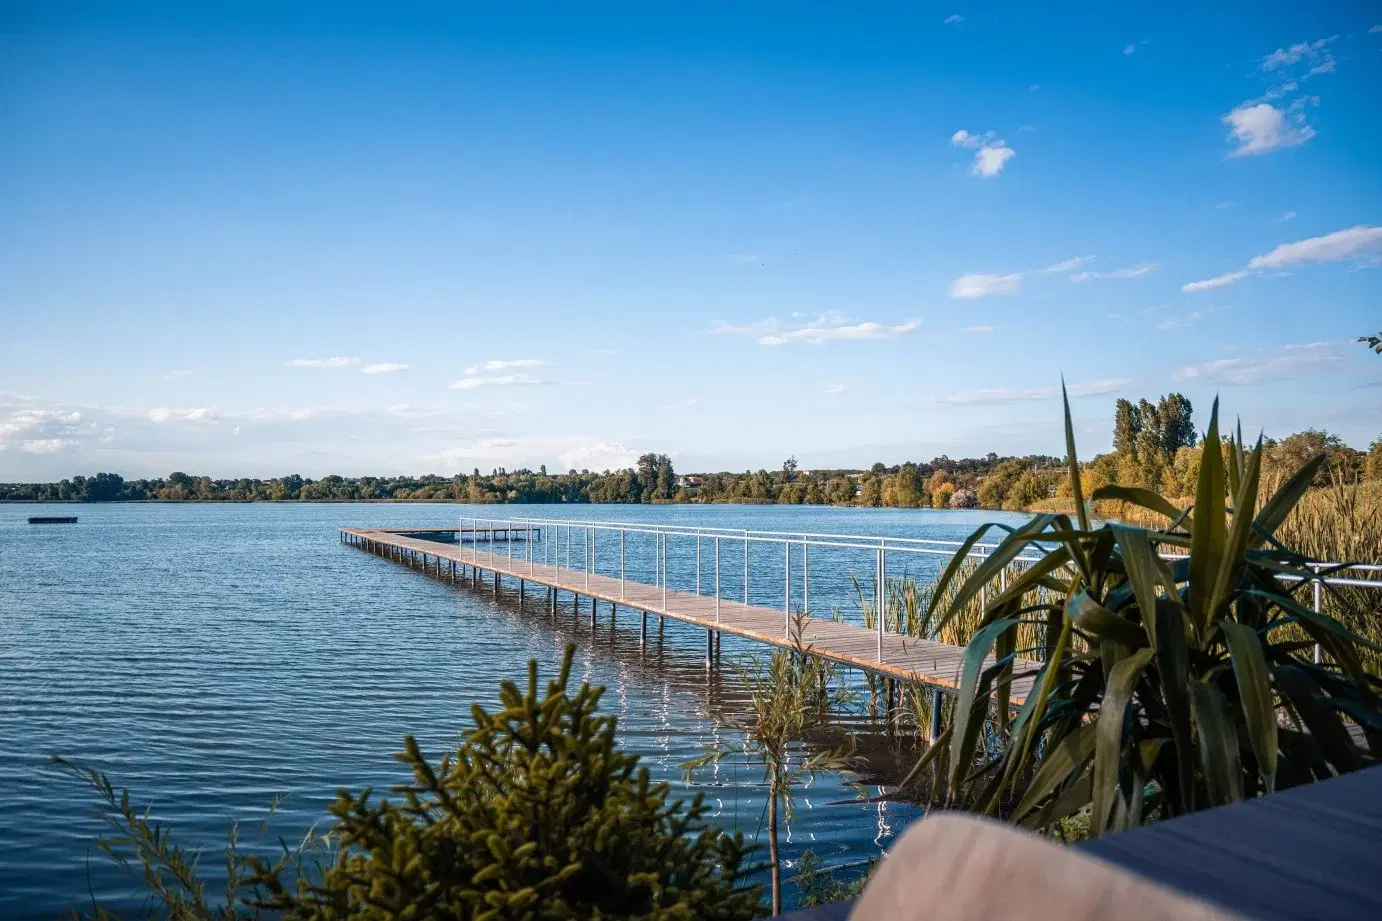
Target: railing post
x: 883, y: 569
x: 621, y: 564
x: 878, y: 599
x: 717, y: 579
x: 529, y: 548
x: 568, y: 546
x: 1318, y: 598
x: 698, y: 561
x: 746, y: 569
x: 806, y: 577
x: 787, y: 590
x: 664, y: 571
x: 590, y: 540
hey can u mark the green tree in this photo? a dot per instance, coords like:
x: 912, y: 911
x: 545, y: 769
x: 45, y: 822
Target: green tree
x: 1373, y: 466
x: 1127, y: 424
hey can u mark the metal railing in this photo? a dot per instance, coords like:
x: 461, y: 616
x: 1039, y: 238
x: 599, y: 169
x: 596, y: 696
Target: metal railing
x: 547, y: 533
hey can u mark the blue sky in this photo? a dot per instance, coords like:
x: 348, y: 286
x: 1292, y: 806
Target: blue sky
x: 249, y: 239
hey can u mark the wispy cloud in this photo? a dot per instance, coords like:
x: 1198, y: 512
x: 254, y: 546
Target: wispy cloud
x: 1005, y: 395
x: 174, y: 375
x: 501, y: 380
x: 1179, y: 322
x: 1132, y: 271
x: 384, y: 368
x: 1316, y: 54
x: 46, y: 445
x: 991, y: 153
x: 978, y: 329
x: 1129, y: 49
x: 336, y: 362
x: 824, y: 328
x: 1067, y: 265
x: 1332, y: 247
x: 1287, y: 362
x: 1218, y: 281
x: 506, y: 365
x: 954, y: 19
x: 980, y: 285
x: 201, y: 415
x: 1283, y: 217
x: 835, y: 388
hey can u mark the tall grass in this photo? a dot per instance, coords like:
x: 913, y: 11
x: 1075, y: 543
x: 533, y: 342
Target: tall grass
x: 1342, y: 523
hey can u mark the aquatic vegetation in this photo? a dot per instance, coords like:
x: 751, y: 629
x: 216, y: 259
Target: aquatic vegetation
x: 792, y: 701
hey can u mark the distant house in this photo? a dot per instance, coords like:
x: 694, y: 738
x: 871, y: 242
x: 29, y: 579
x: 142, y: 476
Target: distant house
x: 686, y: 481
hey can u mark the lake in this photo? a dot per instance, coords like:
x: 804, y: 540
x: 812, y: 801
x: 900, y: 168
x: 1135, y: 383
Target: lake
x: 214, y: 657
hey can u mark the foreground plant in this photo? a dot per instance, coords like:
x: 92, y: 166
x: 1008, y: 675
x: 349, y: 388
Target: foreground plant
x: 537, y: 815
x: 1178, y: 669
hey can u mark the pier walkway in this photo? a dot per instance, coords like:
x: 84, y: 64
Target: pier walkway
x: 891, y: 655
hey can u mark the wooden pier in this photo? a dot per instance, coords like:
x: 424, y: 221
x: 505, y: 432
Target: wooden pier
x: 902, y: 658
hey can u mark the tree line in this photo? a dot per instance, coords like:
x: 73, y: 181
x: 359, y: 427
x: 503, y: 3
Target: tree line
x: 1154, y: 445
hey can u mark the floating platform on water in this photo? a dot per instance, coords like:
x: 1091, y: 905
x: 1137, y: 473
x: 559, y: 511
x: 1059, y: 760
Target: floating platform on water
x: 52, y: 519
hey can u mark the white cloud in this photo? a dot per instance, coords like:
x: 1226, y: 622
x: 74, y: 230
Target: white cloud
x: 978, y: 285
x: 835, y: 388
x: 1332, y: 247
x: 1132, y: 271
x: 1218, y: 281
x: 336, y: 362
x: 1315, y: 53
x: 990, y: 154
x: 990, y: 160
x: 978, y: 329
x: 1375, y: 29
x: 1068, y: 264
x: 200, y: 414
x: 46, y: 445
x: 1129, y: 49
x: 1262, y: 128
x: 383, y: 368
x: 688, y: 403
x: 1000, y: 395
x: 601, y: 455
x: 501, y: 380
x: 1283, y: 217
x: 174, y: 375
x: 817, y: 335
x: 954, y: 19
x: 824, y: 328
x: 506, y: 365
x: 1286, y: 362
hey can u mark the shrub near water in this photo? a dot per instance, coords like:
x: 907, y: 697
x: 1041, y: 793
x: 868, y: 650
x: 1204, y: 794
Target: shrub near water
x: 538, y: 815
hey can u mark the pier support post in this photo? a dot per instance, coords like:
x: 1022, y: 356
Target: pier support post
x: 552, y: 600
x: 643, y: 629
x: 496, y: 585
x: 709, y: 647
x: 934, y: 731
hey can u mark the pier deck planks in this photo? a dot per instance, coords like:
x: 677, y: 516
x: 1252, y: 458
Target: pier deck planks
x: 905, y: 658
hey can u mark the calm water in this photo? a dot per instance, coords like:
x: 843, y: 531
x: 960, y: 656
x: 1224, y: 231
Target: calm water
x: 213, y: 657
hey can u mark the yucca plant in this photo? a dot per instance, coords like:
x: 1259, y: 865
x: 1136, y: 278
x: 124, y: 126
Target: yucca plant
x: 1177, y: 668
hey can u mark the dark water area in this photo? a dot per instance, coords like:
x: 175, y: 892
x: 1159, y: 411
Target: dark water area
x: 214, y: 657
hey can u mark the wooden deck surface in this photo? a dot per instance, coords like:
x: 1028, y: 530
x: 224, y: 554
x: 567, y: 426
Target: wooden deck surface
x: 905, y: 658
